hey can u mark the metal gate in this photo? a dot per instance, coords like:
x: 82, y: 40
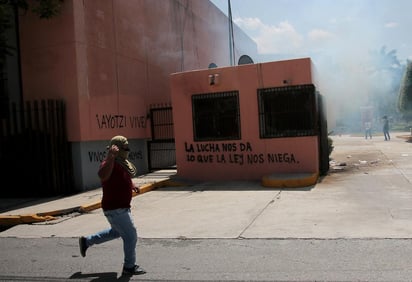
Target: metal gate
x: 162, y: 152
x: 35, y: 149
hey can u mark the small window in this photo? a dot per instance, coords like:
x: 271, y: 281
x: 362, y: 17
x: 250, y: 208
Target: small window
x: 216, y: 116
x: 287, y: 111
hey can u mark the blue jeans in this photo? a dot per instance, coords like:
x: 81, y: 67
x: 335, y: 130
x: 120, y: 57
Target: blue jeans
x: 386, y: 134
x: 122, y: 225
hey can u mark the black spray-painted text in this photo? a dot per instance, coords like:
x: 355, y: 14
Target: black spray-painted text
x: 99, y: 156
x: 105, y: 121
x: 234, y: 153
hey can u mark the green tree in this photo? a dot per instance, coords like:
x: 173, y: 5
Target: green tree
x: 405, y: 93
x: 385, y: 60
x: 387, y: 72
x: 45, y: 9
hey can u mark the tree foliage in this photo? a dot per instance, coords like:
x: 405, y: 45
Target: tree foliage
x: 405, y: 93
x: 387, y: 72
x: 45, y: 9
x: 385, y: 60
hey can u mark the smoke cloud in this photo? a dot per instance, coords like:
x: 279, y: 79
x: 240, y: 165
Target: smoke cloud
x: 343, y: 38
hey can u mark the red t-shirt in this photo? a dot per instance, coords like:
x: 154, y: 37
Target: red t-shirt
x: 117, y: 190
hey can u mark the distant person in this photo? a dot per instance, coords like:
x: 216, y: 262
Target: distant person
x: 115, y: 173
x: 368, y: 130
x: 386, y: 128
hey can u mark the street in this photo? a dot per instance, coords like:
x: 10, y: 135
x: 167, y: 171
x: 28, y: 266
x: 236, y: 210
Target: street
x: 58, y: 259
x: 355, y: 224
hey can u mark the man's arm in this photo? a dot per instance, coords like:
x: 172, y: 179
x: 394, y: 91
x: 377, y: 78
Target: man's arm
x: 106, y: 168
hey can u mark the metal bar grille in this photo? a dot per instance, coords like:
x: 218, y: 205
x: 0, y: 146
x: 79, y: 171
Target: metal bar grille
x: 216, y: 116
x: 287, y: 111
x: 162, y: 152
x: 37, y: 134
x: 162, y: 123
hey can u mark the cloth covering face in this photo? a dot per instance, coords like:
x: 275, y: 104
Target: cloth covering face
x: 122, y: 143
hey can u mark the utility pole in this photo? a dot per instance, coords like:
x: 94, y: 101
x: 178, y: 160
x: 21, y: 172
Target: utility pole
x: 231, y: 37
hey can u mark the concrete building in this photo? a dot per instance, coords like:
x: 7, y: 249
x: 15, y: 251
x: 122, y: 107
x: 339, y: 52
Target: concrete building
x: 263, y: 121
x: 111, y: 60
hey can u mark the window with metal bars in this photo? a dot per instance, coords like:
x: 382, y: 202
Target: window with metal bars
x: 216, y: 116
x: 287, y: 111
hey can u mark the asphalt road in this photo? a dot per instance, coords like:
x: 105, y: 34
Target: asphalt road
x: 58, y: 259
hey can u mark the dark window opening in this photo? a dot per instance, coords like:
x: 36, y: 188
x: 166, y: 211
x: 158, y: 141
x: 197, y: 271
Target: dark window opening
x: 287, y: 111
x: 216, y: 116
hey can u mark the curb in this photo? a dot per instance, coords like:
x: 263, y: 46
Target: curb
x: 290, y: 180
x: 11, y: 220
x: 408, y: 138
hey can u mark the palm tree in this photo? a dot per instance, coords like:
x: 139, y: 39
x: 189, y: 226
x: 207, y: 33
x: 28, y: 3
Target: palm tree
x: 385, y: 61
x: 405, y: 93
x: 386, y: 67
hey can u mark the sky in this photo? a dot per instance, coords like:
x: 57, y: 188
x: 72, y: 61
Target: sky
x: 324, y: 26
x: 338, y: 35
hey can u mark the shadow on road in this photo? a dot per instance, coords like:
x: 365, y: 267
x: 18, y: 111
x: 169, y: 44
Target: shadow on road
x: 101, y: 276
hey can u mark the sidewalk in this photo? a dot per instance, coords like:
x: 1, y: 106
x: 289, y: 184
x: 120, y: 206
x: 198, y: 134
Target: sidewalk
x: 367, y: 194
x: 31, y: 210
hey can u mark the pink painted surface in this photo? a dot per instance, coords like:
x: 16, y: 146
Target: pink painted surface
x: 110, y: 60
x: 250, y: 157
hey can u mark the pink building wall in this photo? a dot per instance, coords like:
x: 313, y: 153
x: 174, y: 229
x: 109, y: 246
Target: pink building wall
x: 250, y: 157
x: 110, y: 60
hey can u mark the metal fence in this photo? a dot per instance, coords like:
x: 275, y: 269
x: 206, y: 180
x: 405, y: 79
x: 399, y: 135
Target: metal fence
x: 34, y: 150
x: 162, y: 151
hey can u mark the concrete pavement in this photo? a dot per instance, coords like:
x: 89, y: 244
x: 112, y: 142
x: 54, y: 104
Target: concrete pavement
x: 35, y: 210
x: 367, y: 194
